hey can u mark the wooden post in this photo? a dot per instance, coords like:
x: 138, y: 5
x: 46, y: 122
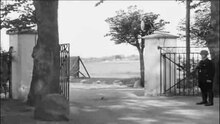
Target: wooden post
x: 84, y: 68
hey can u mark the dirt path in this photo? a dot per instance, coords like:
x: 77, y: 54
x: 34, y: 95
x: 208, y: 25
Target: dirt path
x: 105, y: 104
x: 129, y: 106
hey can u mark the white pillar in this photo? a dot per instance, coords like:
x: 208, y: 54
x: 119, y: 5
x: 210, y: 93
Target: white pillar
x: 152, y: 60
x: 22, y: 62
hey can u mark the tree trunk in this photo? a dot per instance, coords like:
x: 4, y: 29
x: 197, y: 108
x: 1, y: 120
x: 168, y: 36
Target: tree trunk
x: 141, y: 55
x: 215, y: 58
x: 46, y: 70
x: 213, y: 42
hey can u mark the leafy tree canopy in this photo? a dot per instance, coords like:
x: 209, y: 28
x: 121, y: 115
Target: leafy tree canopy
x: 125, y: 27
x: 200, y: 27
x: 17, y: 15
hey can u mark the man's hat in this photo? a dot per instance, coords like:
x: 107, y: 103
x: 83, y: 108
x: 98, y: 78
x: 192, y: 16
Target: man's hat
x: 204, y: 52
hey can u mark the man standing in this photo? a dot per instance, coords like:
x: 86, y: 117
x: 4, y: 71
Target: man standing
x: 206, y: 73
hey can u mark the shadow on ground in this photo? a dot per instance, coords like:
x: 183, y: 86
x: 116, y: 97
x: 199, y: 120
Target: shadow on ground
x: 115, y: 106
x: 119, y: 106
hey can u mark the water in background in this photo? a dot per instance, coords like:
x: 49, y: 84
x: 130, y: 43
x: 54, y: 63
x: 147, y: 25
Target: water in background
x: 112, y: 69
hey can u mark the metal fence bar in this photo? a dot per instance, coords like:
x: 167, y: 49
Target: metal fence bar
x: 64, y: 69
x: 165, y: 80
x: 174, y: 70
x: 68, y: 68
x: 170, y: 67
x: 184, y: 74
x: 65, y: 81
x: 179, y: 57
x: 160, y: 73
x: 193, y: 62
x: 173, y: 73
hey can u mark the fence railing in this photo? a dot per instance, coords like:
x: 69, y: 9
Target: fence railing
x: 173, y: 71
x: 5, y: 74
x: 64, y: 69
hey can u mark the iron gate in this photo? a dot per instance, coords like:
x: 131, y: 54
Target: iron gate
x: 173, y: 71
x: 64, y: 69
x: 5, y: 74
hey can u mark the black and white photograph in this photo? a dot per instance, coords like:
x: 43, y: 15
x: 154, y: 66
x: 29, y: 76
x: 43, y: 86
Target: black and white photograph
x: 109, y: 62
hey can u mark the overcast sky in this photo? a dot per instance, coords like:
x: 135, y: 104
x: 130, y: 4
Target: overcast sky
x: 83, y: 25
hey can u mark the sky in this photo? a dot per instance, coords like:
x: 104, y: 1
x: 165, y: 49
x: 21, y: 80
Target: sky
x: 83, y: 25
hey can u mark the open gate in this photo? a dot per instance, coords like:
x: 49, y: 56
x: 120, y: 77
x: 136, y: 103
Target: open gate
x: 5, y: 74
x: 173, y: 71
x: 5, y: 71
x: 64, y: 69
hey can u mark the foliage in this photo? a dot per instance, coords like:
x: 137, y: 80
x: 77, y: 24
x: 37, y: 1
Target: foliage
x: 98, y: 3
x: 200, y: 27
x: 129, y: 26
x: 17, y: 15
x: 125, y: 26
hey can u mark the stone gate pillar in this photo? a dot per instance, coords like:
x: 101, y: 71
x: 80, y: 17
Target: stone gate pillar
x: 22, y: 62
x: 152, y: 60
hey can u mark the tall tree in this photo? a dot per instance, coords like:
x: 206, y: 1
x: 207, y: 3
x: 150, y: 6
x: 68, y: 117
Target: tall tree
x: 128, y: 27
x: 213, y: 41
x: 200, y: 26
x: 45, y: 54
x: 205, y: 31
x: 46, y: 70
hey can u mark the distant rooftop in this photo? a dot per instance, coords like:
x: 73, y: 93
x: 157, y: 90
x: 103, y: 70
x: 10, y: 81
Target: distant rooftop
x: 159, y: 35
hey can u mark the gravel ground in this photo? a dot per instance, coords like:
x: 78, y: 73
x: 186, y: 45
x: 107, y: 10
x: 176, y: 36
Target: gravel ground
x: 118, y: 104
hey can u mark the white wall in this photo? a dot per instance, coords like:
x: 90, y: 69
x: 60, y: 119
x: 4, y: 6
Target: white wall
x: 22, y: 63
x: 152, y: 63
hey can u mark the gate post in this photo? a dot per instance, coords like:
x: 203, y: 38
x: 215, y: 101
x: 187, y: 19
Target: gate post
x: 22, y: 62
x: 152, y: 60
